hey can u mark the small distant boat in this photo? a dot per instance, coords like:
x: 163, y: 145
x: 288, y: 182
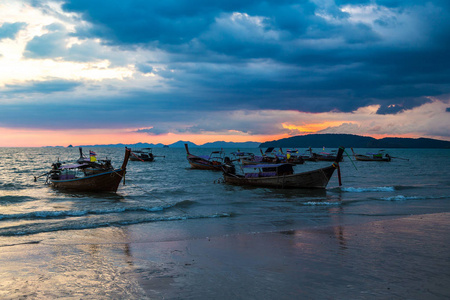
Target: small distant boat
x: 241, y: 156
x: 372, y: 156
x: 266, y: 157
x: 308, y: 156
x: 282, y: 175
x: 214, y: 161
x: 87, y: 175
x: 271, y: 157
x: 324, y: 156
x: 144, y: 154
x: 291, y: 157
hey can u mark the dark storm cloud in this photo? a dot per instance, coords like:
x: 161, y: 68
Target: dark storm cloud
x: 52, y: 45
x: 10, y: 30
x: 144, y: 68
x: 41, y: 87
x: 68, y: 112
x: 304, y: 55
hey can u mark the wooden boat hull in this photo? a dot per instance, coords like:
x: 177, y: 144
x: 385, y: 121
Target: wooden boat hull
x: 327, y: 158
x: 367, y: 158
x: 201, y: 163
x: 106, y: 181
x: 316, y: 179
x: 102, y: 182
x: 142, y: 158
x: 204, y: 165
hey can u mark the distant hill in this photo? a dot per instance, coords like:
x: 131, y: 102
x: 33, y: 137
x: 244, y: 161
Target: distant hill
x: 355, y: 141
x: 180, y: 144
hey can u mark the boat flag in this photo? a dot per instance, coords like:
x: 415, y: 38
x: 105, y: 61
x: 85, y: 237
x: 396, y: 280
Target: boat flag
x: 92, y: 155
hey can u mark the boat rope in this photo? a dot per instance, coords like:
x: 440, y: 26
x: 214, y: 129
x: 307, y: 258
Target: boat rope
x: 350, y: 158
x: 36, y: 177
x: 136, y: 156
x: 324, y: 175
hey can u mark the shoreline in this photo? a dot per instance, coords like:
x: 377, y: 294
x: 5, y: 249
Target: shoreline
x: 406, y: 257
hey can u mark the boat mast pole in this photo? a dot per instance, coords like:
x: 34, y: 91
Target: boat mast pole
x: 338, y: 158
x: 339, y: 174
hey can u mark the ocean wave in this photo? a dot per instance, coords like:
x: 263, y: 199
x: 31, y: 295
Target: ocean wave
x: 319, y: 203
x: 405, y: 198
x: 78, y: 213
x: 369, y: 189
x: 14, y: 199
x: 400, y: 198
x: 11, y: 187
x: 36, y: 228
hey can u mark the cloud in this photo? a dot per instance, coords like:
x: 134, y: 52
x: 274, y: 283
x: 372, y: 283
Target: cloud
x: 10, y: 30
x: 340, y: 56
x: 429, y: 119
x: 45, y: 87
x: 144, y: 68
x: 232, y: 67
x: 49, y: 45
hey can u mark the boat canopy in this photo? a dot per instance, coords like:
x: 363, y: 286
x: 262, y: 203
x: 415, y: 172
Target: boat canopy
x: 266, y: 166
x: 73, y: 166
x: 205, y: 157
x: 242, y: 153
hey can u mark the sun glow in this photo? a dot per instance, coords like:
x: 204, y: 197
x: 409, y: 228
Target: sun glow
x: 312, y: 127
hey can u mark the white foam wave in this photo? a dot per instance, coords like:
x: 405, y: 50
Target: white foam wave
x: 399, y: 198
x: 76, y: 225
x: 79, y: 213
x: 313, y: 203
x: 404, y: 198
x: 369, y: 189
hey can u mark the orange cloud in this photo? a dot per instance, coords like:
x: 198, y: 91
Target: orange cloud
x: 311, y: 127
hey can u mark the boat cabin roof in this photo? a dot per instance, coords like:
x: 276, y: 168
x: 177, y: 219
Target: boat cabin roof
x: 72, y: 166
x: 267, y: 170
x: 243, y: 153
x: 264, y: 167
x: 141, y: 150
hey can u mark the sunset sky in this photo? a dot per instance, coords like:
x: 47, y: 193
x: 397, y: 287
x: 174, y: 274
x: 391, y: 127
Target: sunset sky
x: 105, y: 72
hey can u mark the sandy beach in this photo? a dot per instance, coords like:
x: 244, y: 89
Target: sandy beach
x: 403, y: 258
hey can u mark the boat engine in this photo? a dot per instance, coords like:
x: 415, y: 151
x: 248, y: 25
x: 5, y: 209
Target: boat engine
x: 228, y: 166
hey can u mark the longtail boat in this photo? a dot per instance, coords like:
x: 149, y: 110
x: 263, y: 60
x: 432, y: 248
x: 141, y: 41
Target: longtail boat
x: 87, y: 175
x: 282, y: 175
x: 291, y: 157
x: 272, y: 157
x: 372, y: 156
x: 144, y: 154
x: 214, y: 162
x: 324, y: 156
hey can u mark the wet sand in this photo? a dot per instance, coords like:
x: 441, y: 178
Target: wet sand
x: 403, y: 258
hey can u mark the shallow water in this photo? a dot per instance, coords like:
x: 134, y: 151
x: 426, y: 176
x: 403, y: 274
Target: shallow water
x: 167, y: 202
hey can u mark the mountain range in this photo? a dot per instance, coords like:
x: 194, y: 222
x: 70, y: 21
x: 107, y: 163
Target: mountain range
x: 330, y: 140
x: 350, y: 140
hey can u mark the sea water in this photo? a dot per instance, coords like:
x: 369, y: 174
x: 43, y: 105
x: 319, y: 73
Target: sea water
x: 167, y: 201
